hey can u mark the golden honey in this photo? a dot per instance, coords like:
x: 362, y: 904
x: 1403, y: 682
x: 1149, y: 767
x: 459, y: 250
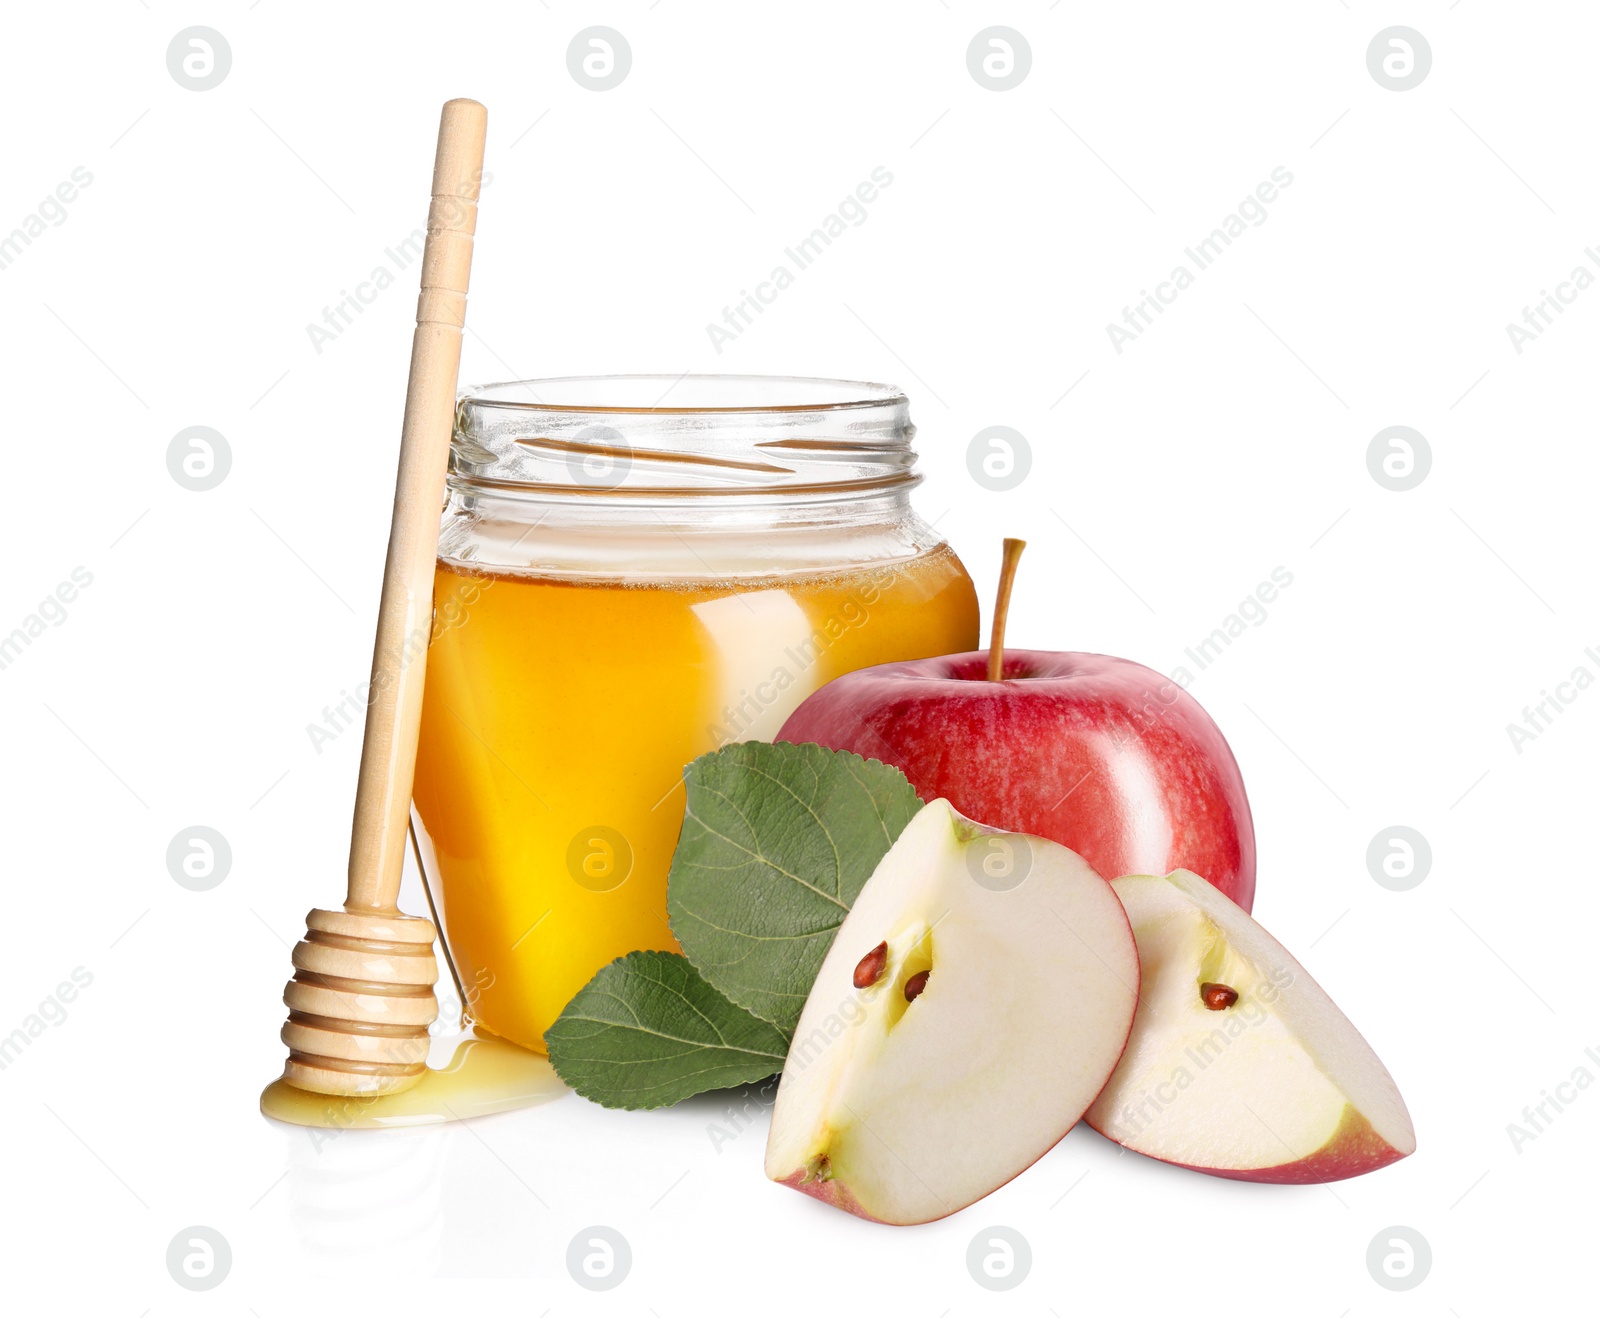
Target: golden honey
x: 560, y: 712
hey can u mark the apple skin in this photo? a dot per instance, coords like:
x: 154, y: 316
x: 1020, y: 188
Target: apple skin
x: 832, y: 1194
x: 1100, y: 754
x: 1353, y: 1150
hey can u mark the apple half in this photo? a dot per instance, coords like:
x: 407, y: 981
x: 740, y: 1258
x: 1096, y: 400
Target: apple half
x: 1239, y: 1064
x: 973, y: 1003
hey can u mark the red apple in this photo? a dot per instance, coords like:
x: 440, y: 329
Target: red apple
x: 1102, y: 755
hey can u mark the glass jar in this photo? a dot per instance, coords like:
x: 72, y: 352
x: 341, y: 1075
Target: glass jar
x: 633, y: 571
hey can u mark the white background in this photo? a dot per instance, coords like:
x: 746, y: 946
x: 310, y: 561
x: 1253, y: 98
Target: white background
x: 1167, y: 482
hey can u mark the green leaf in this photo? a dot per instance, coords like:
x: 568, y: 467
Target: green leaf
x: 777, y: 841
x: 647, y: 1031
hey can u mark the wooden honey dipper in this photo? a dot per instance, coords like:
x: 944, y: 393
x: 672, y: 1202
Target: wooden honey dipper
x: 361, y: 999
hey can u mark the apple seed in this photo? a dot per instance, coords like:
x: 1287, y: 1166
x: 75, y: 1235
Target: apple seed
x: 1218, y: 997
x: 916, y: 984
x: 870, y: 967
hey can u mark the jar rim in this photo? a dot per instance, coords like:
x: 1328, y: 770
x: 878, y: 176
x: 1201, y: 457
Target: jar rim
x: 632, y: 437
x: 691, y: 394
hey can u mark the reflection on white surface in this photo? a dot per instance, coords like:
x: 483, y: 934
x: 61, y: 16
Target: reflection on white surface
x: 366, y: 1200
x: 451, y: 1198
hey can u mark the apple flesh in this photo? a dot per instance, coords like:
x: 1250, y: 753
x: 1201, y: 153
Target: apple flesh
x: 1102, y: 755
x: 1239, y: 1064
x: 973, y: 1003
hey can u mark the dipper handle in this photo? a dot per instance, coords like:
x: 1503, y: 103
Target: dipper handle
x: 405, y: 615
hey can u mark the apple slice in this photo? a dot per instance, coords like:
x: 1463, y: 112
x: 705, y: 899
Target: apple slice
x: 973, y: 1003
x: 1239, y: 1064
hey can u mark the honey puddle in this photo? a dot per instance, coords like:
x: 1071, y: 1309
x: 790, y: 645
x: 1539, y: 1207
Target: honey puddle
x: 483, y: 1076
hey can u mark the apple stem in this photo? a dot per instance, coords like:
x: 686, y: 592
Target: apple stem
x: 1010, y: 555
